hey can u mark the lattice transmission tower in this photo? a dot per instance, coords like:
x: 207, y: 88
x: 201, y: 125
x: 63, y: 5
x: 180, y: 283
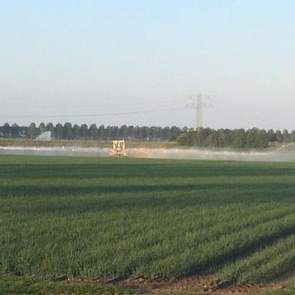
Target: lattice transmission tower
x: 199, y: 102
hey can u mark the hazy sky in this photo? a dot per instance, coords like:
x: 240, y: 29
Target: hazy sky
x: 137, y: 62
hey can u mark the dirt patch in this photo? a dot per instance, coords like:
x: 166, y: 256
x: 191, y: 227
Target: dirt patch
x: 197, y: 285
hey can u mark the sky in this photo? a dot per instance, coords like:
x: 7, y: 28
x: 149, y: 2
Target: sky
x: 131, y: 62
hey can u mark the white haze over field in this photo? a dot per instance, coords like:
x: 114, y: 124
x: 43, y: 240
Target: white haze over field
x: 157, y: 153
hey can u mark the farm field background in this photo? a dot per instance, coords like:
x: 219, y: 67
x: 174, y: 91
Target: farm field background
x: 120, y: 218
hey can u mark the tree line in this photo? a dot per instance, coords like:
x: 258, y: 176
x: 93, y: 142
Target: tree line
x: 202, y: 137
x: 85, y: 132
x: 237, y: 138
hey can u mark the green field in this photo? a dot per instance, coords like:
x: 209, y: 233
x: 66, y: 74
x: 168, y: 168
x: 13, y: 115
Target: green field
x: 119, y: 218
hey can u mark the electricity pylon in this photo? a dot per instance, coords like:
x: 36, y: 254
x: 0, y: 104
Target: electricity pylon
x: 198, y: 103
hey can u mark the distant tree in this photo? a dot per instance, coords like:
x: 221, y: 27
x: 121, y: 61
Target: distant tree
x: 153, y: 133
x: 42, y: 128
x: 145, y: 134
x: 212, y: 139
x: 186, y: 139
x: 228, y: 140
x: 262, y: 139
x: 239, y: 138
x: 205, y: 137
x: 201, y: 137
x: 130, y: 132
x: 50, y: 127
x: 76, y: 132
x: 15, y: 130
x: 123, y: 131
x: 256, y: 138
x: 251, y: 138
x: 115, y: 132
x: 68, y: 131
x: 59, y: 131
x: 174, y: 132
x: 286, y: 136
x: 84, y: 131
x: 221, y: 138
x: 279, y: 136
x: 6, y: 130
x: 32, y: 131
x: 101, y: 132
x: 271, y: 135
x: 93, y: 132
x: 108, y: 132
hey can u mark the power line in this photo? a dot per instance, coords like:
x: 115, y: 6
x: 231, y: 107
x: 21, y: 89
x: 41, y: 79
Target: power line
x: 142, y: 112
x: 94, y: 105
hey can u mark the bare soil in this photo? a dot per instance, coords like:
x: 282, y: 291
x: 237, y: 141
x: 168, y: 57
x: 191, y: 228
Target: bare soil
x: 198, y: 285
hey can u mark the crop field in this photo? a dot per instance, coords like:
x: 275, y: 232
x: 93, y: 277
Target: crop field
x: 122, y: 218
